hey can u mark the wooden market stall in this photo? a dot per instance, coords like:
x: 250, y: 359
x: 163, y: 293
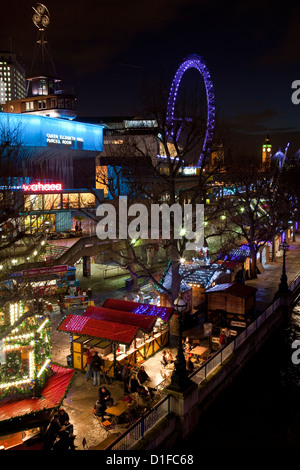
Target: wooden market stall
x: 232, y: 302
x: 118, y: 335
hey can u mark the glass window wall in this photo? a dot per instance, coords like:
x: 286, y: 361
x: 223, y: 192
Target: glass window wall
x: 73, y: 201
x: 33, y: 202
x: 87, y: 200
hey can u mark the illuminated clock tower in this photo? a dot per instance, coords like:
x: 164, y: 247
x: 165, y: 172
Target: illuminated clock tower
x: 266, y: 153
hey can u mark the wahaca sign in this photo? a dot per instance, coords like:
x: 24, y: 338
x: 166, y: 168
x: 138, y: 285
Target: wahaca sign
x: 42, y: 187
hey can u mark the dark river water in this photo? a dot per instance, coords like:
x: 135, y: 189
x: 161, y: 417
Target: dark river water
x: 260, y: 410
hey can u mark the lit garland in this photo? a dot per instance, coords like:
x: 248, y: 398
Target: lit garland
x: 43, y: 367
x: 27, y: 354
x: 16, y: 310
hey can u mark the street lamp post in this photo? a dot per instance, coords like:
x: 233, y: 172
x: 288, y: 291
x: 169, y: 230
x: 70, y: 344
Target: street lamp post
x: 179, y: 379
x: 283, y: 286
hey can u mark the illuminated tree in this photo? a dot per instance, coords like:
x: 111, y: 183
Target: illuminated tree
x: 149, y: 168
x: 25, y: 351
x: 17, y: 245
x: 256, y: 210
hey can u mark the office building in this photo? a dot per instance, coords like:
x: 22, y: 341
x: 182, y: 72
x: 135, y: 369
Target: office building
x: 12, y: 73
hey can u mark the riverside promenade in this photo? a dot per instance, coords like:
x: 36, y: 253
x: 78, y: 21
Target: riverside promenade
x: 267, y: 283
x: 82, y: 395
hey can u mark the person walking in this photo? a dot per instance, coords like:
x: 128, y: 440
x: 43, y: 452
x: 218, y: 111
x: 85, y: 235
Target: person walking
x: 61, y: 303
x: 125, y: 374
x: 88, y: 353
x: 96, y: 365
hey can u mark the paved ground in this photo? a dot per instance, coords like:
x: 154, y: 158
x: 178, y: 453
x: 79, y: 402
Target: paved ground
x: 267, y: 283
x: 82, y: 395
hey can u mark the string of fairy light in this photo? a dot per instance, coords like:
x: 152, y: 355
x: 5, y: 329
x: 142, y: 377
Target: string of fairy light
x: 27, y: 341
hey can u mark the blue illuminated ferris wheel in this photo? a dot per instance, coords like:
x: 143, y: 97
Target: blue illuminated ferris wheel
x: 196, y: 62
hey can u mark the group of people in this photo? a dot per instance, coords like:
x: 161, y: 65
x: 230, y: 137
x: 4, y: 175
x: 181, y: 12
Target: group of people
x: 135, y: 381
x: 94, y: 365
x: 166, y: 358
x: 78, y: 291
x: 60, y: 432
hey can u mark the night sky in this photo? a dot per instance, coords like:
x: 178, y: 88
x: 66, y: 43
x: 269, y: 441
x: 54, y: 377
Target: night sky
x: 110, y: 51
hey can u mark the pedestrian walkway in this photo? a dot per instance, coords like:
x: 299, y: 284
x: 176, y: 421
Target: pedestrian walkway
x: 83, y: 395
x: 267, y: 283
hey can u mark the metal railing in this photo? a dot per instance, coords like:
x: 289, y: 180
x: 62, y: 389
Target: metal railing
x: 220, y: 356
x: 217, y: 359
x: 295, y: 282
x: 139, y: 429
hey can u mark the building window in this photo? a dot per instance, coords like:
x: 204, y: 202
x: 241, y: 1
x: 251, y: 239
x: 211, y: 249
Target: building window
x: 66, y: 201
x: 73, y: 201
x: 42, y: 104
x: 87, y: 200
x: 33, y: 202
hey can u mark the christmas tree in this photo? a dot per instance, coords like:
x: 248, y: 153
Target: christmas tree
x: 25, y: 350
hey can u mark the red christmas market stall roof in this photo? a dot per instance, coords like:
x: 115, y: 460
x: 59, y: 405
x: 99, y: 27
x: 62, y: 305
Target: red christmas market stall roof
x: 164, y: 313
x: 76, y: 324
x: 113, y: 325
x: 50, y: 397
x: 144, y: 322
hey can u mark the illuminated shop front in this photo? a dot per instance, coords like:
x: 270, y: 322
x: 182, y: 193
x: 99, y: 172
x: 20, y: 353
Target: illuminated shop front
x: 56, y: 162
x: 53, y: 210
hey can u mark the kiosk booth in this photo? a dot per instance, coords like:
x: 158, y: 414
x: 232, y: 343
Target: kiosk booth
x: 121, y: 332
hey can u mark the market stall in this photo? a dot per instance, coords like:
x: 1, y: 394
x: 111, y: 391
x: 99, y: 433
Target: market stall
x: 118, y: 335
x: 231, y: 302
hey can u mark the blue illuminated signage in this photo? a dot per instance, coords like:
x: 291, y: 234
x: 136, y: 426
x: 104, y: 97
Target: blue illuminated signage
x: 40, y: 131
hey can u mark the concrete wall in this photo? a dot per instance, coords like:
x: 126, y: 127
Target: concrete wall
x: 162, y: 436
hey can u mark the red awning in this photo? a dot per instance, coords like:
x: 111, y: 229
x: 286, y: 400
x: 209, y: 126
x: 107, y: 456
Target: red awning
x: 51, y: 396
x: 112, y: 331
x: 144, y: 322
x: 164, y: 313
